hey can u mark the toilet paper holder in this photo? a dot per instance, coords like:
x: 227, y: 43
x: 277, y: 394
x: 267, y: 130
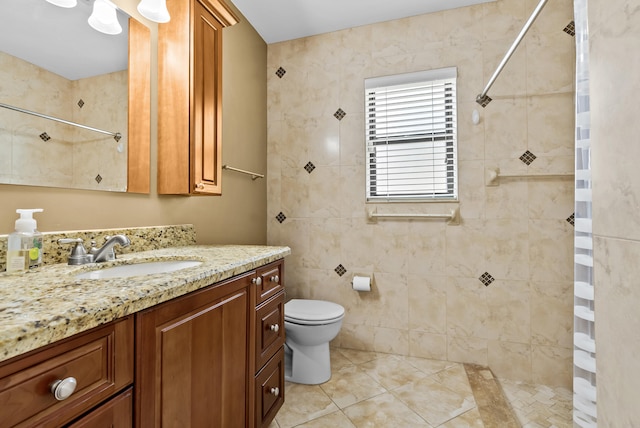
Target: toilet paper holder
x: 361, y: 283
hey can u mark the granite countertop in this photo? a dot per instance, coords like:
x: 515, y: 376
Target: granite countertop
x: 47, y: 304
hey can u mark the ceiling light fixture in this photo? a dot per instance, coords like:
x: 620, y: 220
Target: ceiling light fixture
x: 64, y: 3
x: 154, y: 10
x: 104, y: 17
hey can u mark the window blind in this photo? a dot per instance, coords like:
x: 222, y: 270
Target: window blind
x: 411, y: 136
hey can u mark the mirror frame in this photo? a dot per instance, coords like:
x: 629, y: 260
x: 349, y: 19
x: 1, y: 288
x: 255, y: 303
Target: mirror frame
x: 139, y: 114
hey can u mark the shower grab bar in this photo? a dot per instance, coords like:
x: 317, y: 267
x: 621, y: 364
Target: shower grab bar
x: 453, y: 217
x: 116, y: 135
x: 254, y: 175
x: 493, y: 176
x: 483, y: 99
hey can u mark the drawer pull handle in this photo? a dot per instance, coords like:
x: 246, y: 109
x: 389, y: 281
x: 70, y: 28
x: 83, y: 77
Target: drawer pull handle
x: 62, y: 389
x: 257, y: 281
x: 275, y: 278
x: 275, y: 327
x: 275, y: 391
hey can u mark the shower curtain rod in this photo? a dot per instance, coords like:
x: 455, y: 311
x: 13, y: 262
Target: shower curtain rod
x: 483, y: 99
x: 115, y: 135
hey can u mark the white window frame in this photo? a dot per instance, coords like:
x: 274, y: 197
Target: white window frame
x: 412, y: 156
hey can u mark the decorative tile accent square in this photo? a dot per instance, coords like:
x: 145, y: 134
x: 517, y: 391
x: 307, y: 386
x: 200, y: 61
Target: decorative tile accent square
x: 486, y: 279
x: 98, y: 178
x: 340, y: 270
x: 80, y: 103
x: 45, y: 136
x: 309, y: 167
x: 570, y: 29
x: 339, y: 114
x: 484, y: 101
x: 528, y: 157
x: 281, y: 217
x: 572, y: 219
x: 280, y: 72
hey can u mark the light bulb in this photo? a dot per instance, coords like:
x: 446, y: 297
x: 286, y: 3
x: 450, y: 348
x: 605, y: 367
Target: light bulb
x: 154, y: 10
x: 104, y: 17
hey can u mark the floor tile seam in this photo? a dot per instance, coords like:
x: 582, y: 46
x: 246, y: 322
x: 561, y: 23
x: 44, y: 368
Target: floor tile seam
x: 365, y: 372
x: 431, y: 373
x: 395, y: 394
x: 475, y: 407
x: 377, y: 395
x: 359, y: 401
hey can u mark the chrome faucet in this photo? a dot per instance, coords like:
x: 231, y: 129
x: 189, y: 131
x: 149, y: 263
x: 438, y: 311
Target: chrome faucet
x: 106, y: 253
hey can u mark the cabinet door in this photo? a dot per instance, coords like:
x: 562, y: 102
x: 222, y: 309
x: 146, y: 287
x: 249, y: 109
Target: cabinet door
x: 207, y: 102
x: 192, y: 359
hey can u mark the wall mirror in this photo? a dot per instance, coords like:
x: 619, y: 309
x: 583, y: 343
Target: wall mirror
x: 74, y: 101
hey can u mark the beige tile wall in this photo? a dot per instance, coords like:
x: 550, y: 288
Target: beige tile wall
x: 427, y: 299
x: 614, y: 28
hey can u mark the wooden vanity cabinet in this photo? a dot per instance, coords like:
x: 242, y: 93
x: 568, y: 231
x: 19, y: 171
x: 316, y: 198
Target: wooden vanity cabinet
x: 190, y: 97
x: 101, y: 361
x: 192, y: 359
x: 210, y: 358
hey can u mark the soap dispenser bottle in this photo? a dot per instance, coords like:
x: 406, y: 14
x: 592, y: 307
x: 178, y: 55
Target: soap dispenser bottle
x: 25, y: 244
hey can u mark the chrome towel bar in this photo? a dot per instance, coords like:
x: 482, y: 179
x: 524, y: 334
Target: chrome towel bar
x: 254, y: 175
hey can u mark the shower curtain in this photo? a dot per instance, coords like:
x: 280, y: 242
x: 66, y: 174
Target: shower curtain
x: 584, y: 360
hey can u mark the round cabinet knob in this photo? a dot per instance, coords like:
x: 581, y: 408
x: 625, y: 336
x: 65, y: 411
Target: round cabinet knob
x: 275, y: 391
x: 62, y: 389
x: 257, y: 281
x: 275, y: 278
x: 200, y: 186
x: 275, y: 327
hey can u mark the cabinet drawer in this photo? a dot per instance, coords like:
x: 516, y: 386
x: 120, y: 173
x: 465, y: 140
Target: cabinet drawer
x: 270, y: 389
x: 101, y: 361
x: 115, y: 413
x: 269, y: 329
x: 271, y: 281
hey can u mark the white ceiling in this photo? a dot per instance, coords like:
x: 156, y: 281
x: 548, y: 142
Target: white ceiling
x: 60, y: 40
x: 280, y: 20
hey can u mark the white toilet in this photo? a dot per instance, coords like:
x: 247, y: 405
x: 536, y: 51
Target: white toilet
x: 310, y: 325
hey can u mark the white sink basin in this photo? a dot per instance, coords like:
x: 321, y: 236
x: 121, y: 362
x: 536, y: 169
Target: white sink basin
x: 138, y: 269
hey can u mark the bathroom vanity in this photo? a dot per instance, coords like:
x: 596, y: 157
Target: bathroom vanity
x: 202, y: 346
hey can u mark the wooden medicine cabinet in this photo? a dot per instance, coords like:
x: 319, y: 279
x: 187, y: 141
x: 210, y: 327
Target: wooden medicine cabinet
x: 190, y: 97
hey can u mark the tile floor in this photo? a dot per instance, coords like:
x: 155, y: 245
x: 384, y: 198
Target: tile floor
x: 370, y: 389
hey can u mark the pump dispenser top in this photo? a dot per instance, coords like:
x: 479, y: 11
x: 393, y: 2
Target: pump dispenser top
x: 24, y: 246
x: 26, y: 222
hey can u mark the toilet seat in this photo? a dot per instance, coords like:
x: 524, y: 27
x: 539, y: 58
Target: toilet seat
x: 312, y: 312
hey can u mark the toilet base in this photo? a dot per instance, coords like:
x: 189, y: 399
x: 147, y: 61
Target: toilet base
x: 310, y: 365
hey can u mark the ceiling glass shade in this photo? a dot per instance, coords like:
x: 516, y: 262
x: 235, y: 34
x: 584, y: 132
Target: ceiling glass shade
x: 104, y: 17
x: 64, y: 3
x: 154, y: 10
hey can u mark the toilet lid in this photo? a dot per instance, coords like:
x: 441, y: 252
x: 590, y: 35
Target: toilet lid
x: 312, y: 310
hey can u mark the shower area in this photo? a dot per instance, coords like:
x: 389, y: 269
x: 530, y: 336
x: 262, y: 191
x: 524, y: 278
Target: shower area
x: 584, y: 360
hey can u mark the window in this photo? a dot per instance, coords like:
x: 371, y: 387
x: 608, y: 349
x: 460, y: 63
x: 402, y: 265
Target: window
x: 411, y: 136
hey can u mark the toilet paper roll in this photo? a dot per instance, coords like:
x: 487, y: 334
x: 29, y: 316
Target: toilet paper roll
x: 361, y: 283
